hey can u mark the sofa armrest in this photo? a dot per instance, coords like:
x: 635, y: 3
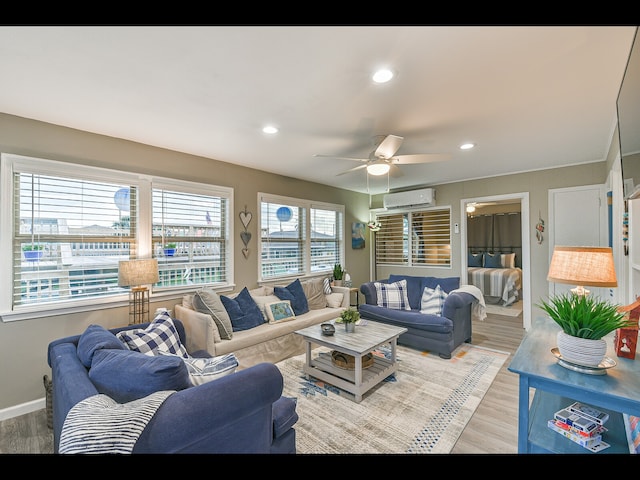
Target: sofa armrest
x: 370, y: 293
x: 201, y: 330
x: 456, y: 301
x: 233, y: 414
x: 346, y: 300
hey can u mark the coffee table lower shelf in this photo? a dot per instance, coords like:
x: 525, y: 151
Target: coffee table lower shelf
x: 323, y: 369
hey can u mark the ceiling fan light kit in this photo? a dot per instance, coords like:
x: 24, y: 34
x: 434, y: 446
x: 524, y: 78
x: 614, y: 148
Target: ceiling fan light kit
x: 378, y: 168
x: 383, y: 159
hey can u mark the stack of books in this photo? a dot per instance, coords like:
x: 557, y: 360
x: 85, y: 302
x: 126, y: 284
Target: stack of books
x: 582, y: 424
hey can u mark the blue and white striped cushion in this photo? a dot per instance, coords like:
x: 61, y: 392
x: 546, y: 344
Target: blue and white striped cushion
x: 433, y: 300
x: 393, y: 295
x: 326, y: 286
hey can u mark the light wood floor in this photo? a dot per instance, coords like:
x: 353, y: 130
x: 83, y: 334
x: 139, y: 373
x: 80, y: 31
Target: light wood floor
x: 493, y: 429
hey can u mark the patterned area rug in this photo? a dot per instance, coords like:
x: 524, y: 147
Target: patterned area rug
x: 423, y: 408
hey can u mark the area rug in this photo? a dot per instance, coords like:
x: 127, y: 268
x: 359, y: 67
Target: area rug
x: 513, y: 310
x: 422, y: 408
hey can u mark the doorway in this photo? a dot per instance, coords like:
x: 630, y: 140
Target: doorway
x: 523, y: 200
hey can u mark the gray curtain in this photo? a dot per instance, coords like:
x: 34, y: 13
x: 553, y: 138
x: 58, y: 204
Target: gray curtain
x: 499, y: 232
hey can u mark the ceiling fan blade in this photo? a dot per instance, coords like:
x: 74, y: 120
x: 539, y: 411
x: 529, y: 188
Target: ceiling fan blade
x: 395, y: 171
x: 421, y: 158
x: 352, y: 170
x: 342, y: 158
x: 389, y: 146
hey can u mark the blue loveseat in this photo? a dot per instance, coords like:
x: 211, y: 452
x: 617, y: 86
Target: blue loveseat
x: 435, y: 333
x: 240, y: 412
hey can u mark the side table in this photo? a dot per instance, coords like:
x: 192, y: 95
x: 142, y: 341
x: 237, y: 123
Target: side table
x: 616, y: 392
x: 357, y: 292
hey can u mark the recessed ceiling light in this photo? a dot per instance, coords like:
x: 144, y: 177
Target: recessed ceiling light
x: 467, y: 146
x: 382, y: 75
x: 270, y: 130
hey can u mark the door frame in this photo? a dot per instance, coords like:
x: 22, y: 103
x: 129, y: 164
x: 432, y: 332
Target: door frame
x: 523, y: 198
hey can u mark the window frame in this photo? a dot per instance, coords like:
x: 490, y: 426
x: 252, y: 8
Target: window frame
x: 308, y: 206
x: 10, y: 163
x: 407, y: 237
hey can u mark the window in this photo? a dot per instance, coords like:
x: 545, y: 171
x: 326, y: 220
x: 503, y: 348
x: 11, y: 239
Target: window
x: 71, y: 224
x: 298, y: 237
x: 414, y: 238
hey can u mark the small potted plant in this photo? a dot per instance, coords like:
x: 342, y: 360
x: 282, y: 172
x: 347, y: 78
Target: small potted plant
x: 584, y: 321
x: 338, y: 273
x: 32, y: 251
x: 349, y: 317
x: 170, y: 249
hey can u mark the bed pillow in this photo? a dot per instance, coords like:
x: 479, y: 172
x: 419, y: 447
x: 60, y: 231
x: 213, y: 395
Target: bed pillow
x: 475, y: 260
x: 433, y: 300
x: 295, y: 294
x: 127, y: 375
x: 243, y: 311
x: 393, y: 295
x: 161, y: 334
x: 208, y: 301
x: 508, y: 260
x: 492, y: 260
x: 280, y: 311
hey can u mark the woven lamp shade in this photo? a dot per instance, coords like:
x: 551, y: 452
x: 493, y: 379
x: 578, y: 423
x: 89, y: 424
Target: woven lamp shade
x: 137, y: 272
x: 591, y: 266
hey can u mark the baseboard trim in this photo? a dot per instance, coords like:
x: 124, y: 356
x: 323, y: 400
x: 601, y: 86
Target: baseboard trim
x: 23, y: 409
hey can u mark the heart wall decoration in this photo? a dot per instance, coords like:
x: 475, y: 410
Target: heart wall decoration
x: 245, y: 236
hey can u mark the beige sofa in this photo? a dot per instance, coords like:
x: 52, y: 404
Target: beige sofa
x: 265, y: 343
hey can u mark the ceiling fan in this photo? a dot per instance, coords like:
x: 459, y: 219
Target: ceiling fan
x: 383, y: 158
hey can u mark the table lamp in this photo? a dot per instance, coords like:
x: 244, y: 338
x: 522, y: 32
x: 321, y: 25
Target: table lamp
x: 592, y: 266
x: 137, y: 274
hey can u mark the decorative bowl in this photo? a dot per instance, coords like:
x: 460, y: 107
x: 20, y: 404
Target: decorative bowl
x: 327, y: 329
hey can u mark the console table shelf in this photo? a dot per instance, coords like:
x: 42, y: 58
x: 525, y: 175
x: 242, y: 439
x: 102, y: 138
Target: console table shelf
x: 555, y: 387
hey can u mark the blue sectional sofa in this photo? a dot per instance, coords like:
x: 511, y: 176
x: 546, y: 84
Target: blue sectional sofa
x: 241, y: 412
x: 440, y: 333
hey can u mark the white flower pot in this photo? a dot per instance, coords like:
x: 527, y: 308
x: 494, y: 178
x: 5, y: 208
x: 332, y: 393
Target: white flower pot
x: 581, y: 351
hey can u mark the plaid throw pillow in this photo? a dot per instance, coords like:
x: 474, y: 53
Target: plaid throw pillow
x: 393, y: 295
x: 433, y: 300
x: 161, y: 334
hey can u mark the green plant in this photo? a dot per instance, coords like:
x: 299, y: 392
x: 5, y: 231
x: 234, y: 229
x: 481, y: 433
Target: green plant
x: 30, y: 247
x: 337, y: 272
x: 350, y: 315
x: 170, y: 245
x: 583, y: 316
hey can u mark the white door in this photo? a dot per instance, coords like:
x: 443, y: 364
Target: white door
x: 577, y: 217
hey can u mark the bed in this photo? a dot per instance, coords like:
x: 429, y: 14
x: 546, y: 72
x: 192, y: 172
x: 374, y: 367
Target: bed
x: 497, y: 277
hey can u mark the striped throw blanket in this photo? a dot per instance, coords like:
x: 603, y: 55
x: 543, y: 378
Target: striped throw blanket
x: 100, y: 425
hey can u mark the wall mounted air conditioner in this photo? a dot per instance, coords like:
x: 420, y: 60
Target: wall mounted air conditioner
x: 425, y: 197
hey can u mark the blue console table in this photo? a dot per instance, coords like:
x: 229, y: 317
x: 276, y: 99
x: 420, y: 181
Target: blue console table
x: 555, y: 387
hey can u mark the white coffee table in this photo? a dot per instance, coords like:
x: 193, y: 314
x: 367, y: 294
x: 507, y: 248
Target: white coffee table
x: 365, y: 339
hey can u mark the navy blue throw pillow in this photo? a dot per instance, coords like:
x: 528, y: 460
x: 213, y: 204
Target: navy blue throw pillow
x: 295, y: 294
x: 94, y: 338
x: 243, y: 311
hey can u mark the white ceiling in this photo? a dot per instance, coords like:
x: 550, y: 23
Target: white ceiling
x: 529, y: 97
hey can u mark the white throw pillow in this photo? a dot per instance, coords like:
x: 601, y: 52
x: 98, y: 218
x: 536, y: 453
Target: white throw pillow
x: 262, y: 301
x: 433, y: 300
x: 203, y: 370
x: 334, y: 300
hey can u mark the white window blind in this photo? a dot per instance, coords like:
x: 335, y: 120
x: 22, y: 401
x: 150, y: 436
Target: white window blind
x: 190, y: 237
x: 78, y: 232
x: 414, y: 238
x: 68, y: 226
x: 298, y: 237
